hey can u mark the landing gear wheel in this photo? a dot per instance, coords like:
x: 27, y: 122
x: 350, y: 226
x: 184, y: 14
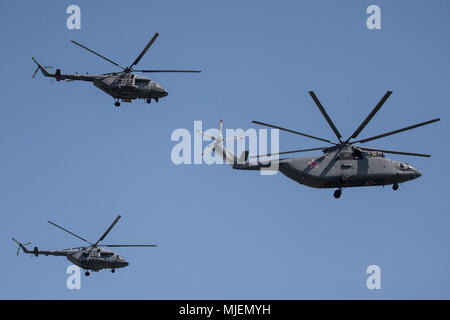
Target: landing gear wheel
x: 149, y: 100
x: 156, y: 99
x: 337, y: 193
x: 395, y: 186
x: 117, y: 104
x: 113, y: 270
x: 87, y: 273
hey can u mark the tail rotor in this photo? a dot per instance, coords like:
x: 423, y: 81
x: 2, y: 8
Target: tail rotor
x: 39, y: 68
x: 21, y: 245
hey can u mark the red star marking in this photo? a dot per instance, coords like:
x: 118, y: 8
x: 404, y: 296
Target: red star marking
x: 313, y: 163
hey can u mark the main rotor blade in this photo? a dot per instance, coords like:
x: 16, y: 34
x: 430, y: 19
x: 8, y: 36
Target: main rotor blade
x: 397, y: 152
x: 75, y: 235
x: 370, y: 116
x: 97, y: 54
x: 396, y: 131
x: 206, y: 134
x: 108, y: 230
x: 292, y: 131
x: 145, y: 50
x: 325, y: 114
x: 128, y: 245
x: 160, y: 71
x: 285, y: 152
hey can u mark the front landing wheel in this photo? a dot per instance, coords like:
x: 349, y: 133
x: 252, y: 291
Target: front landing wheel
x: 395, y: 186
x: 87, y: 273
x: 117, y: 104
x: 149, y: 100
x: 337, y: 193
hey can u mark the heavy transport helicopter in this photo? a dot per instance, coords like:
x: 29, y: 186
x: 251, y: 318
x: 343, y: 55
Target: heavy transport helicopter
x: 124, y: 85
x: 92, y: 257
x: 342, y: 165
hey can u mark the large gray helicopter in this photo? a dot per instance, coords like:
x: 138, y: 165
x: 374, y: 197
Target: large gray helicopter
x: 124, y: 85
x: 342, y: 165
x: 90, y: 257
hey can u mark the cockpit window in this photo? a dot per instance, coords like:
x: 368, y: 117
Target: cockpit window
x: 405, y: 167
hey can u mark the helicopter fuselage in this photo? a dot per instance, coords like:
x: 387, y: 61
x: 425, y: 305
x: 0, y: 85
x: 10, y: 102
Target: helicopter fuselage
x: 129, y: 87
x: 342, y: 169
x: 332, y: 171
x: 97, y: 259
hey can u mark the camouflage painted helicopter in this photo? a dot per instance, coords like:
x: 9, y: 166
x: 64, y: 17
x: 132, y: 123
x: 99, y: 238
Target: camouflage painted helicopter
x: 90, y: 257
x: 124, y: 85
x: 342, y: 165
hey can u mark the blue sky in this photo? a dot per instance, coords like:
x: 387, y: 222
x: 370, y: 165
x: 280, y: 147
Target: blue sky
x: 71, y: 157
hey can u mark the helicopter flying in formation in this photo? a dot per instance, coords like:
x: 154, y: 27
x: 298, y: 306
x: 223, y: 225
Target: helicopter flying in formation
x: 124, y: 85
x: 342, y: 165
x: 90, y: 257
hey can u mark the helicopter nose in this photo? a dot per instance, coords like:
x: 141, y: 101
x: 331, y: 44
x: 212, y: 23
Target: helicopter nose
x: 165, y: 93
x: 417, y: 173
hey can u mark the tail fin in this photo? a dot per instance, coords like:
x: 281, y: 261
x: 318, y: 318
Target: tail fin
x: 218, y: 147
